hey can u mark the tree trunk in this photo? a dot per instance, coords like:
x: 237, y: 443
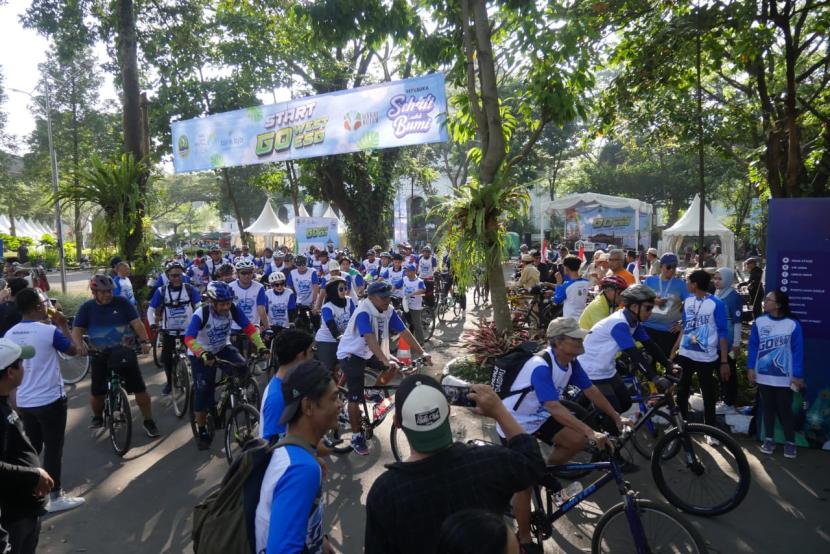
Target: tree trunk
x: 76, y: 166
x: 243, y: 235
x: 12, y: 228
x: 132, y: 111
x: 498, y: 289
x: 294, y: 188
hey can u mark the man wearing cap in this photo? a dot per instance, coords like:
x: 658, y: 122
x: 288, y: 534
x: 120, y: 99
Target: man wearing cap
x: 414, y: 289
x: 664, y: 324
x: 534, y: 403
x: 653, y: 261
x: 41, y: 400
x: 370, y: 265
x: 366, y: 342
x: 394, y: 274
x: 407, y: 504
x: 529, y: 276
x: 289, y: 515
x: 24, y: 485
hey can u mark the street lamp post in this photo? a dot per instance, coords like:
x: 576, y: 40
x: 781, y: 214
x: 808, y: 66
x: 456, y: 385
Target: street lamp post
x: 54, y: 159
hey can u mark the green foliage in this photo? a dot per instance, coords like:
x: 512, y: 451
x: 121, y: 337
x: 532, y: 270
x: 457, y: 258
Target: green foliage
x: 467, y: 369
x: 69, y: 302
x: 10, y: 243
x: 48, y: 240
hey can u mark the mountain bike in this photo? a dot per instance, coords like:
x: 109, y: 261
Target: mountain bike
x: 481, y: 290
x: 633, y: 525
x: 180, y: 376
x: 378, y: 402
x: 235, y: 411
x: 118, y: 417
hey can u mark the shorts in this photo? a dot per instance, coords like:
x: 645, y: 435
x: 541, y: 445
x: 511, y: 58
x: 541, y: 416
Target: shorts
x: 549, y: 429
x: 615, y: 390
x: 129, y: 371
x: 353, y: 367
x: 327, y: 354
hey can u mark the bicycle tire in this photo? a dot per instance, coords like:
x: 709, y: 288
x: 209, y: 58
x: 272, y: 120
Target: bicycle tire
x: 541, y: 527
x: 476, y: 296
x: 157, y: 349
x: 73, y: 368
x: 251, y: 390
x: 241, y: 427
x: 180, y: 388
x: 669, y: 470
x: 456, y: 308
x: 582, y: 414
x: 442, y: 310
x: 400, y: 445
x: 428, y: 322
x: 644, y: 438
x: 120, y: 421
x: 613, y: 534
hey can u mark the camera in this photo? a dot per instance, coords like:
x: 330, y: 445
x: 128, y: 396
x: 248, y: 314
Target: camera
x: 457, y: 395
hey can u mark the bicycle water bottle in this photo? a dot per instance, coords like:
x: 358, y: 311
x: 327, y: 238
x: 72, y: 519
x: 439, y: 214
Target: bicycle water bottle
x: 562, y: 496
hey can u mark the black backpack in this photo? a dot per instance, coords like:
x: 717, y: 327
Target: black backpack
x: 225, y: 521
x: 507, y: 368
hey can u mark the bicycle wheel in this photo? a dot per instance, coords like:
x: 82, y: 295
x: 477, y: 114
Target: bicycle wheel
x: 650, y: 432
x: 696, y: 476
x: 541, y: 527
x: 241, y: 426
x: 428, y: 322
x: 664, y: 530
x: 73, y: 368
x: 581, y: 457
x: 339, y: 437
x: 442, y: 310
x: 156, y: 343
x: 456, y: 307
x: 180, y: 388
x: 400, y: 445
x: 250, y: 389
x: 120, y: 421
x: 476, y: 296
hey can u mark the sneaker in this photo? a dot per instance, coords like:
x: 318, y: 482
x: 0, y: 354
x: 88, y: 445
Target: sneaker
x: 166, y: 390
x: 768, y: 447
x: 359, y: 445
x: 722, y: 408
x: 712, y: 441
x: 790, y: 450
x: 97, y: 422
x: 204, y: 439
x: 150, y: 428
x: 60, y: 502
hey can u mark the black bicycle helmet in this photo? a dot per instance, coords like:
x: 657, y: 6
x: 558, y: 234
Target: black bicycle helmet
x: 101, y: 282
x: 300, y: 260
x: 173, y: 265
x: 637, y: 294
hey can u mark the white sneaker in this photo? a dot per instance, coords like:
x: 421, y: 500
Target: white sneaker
x: 62, y: 503
x: 721, y: 408
x: 712, y: 441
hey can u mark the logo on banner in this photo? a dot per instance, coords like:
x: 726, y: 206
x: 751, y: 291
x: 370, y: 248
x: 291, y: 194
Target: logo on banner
x: 353, y: 121
x: 410, y: 114
x: 184, y: 146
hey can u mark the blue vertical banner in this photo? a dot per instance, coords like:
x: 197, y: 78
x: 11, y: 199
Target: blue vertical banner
x: 385, y: 115
x: 798, y: 263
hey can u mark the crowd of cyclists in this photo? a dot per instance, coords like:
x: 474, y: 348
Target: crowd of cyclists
x: 327, y: 311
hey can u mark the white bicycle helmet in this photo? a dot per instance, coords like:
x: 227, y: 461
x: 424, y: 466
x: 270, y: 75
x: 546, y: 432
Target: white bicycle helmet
x: 242, y: 264
x: 276, y: 277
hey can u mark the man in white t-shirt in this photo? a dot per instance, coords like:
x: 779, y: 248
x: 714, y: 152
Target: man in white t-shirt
x: 41, y: 401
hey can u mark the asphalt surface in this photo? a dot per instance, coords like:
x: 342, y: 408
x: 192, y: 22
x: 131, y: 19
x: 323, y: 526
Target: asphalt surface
x: 143, y: 502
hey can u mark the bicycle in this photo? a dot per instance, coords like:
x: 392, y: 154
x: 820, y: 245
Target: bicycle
x: 118, y: 417
x: 633, y: 525
x: 427, y: 318
x: 383, y: 403
x: 446, y: 299
x: 180, y: 378
x: 235, y: 411
x: 73, y: 368
x: 685, y: 456
x: 481, y: 291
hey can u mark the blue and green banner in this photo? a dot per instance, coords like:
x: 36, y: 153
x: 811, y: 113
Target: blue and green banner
x: 386, y: 115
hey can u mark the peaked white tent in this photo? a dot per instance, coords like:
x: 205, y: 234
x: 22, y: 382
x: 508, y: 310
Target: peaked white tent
x: 688, y: 226
x: 341, y: 227
x: 268, y: 225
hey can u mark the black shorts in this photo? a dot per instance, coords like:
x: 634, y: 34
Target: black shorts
x: 614, y: 389
x: 353, y: 367
x: 545, y: 433
x: 127, y: 364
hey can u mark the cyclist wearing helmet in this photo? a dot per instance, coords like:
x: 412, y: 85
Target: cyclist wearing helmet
x: 212, y: 263
x: 226, y: 273
x: 109, y: 321
x: 180, y: 257
x: 664, y: 324
x: 282, y: 302
x: 304, y: 282
x: 288, y: 264
x: 385, y: 263
x: 335, y: 314
x: 197, y: 272
x: 249, y: 296
x: 366, y: 342
x: 265, y: 259
x: 277, y: 263
x: 617, y: 333
x: 246, y: 254
x: 394, y: 274
x: 605, y: 303
x: 207, y: 337
x: 370, y: 264
x: 173, y: 304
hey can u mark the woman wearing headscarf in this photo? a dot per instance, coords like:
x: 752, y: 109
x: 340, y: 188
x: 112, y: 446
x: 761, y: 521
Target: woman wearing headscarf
x: 723, y: 280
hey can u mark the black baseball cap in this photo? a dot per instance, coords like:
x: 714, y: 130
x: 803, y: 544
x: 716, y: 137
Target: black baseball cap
x: 299, y: 383
x: 379, y: 288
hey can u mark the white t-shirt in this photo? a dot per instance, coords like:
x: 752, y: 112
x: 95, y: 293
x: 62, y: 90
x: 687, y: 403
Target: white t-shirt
x: 410, y: 286
x: 247, y: 300
x: 42, y: 382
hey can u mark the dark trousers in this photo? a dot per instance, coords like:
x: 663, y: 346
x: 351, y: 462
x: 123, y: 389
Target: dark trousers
x: 46, y: 426
x: 168, y: 353
x: 664, y: 339
x: 708, y: 385
x: 777, y: 401
x: 24, y: 534
x: 729, y: 387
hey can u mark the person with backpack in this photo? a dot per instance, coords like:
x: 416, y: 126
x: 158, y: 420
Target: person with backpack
x: 531, y: 387
x: 175, y: 303
x: 289, y: 515
x: 206, y: 338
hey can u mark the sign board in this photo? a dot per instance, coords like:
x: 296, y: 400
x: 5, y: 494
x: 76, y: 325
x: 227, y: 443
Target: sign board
x: 600, y: 224
x: 316, y: 232
x: 386, y: 115
x: 798, y: 263
x: 586, y: 246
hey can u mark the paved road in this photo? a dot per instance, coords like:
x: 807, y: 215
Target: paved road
x: 143, y: 502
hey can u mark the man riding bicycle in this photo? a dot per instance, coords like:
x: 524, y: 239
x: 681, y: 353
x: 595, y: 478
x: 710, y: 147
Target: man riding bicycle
x: 534, y: 402
x: 282, y: 303
x: 618, y: 333
x: 249, y: 297
x: 605, y: 303
x: 208, y: 337
x: 174, y: 304
x: 366, y: 342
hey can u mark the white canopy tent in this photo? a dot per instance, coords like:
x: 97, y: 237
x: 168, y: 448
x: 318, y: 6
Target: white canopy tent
x: 588, y: 202
x: 341, y: 227
x: 269, y: 226
x: 688, y: 227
